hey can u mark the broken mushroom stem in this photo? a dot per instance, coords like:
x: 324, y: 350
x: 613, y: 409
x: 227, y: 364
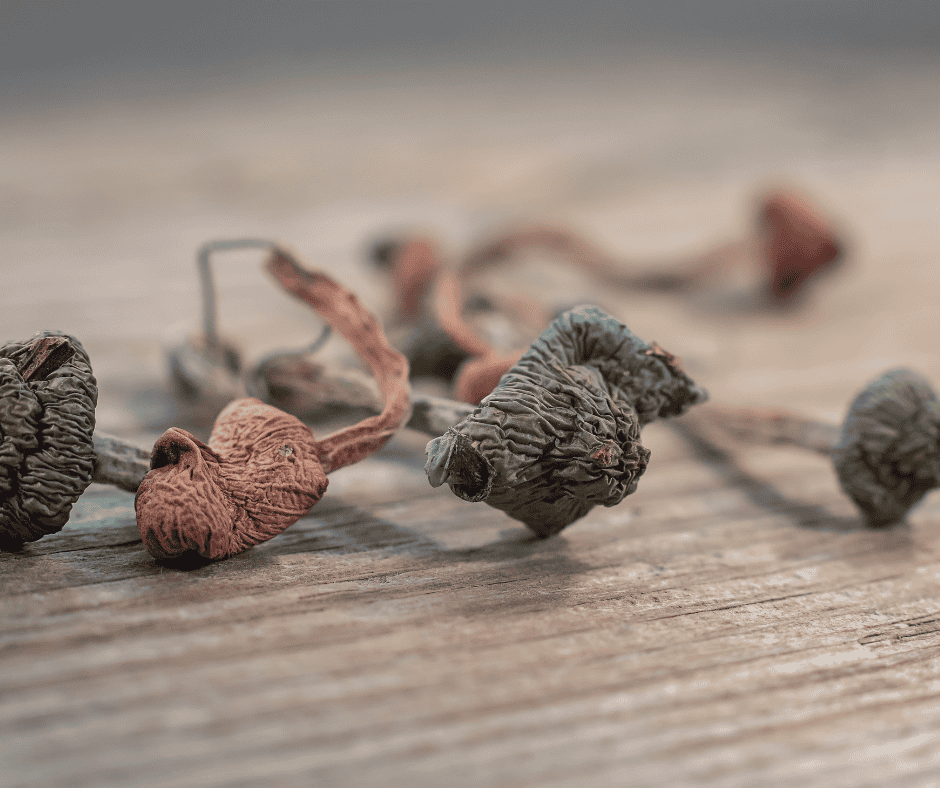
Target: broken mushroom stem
x: 793, y: 242
x: 886, y: 453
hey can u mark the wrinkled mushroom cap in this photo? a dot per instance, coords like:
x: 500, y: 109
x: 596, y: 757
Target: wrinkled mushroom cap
x: 888, y: 455
x: 47, y: 422
x: 561, y: 432
x: 259, y: 474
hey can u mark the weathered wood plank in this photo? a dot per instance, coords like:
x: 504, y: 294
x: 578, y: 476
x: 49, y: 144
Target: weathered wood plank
x: 696, y: 633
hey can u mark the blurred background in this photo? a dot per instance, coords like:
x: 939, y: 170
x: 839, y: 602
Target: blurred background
x: 132, y: 133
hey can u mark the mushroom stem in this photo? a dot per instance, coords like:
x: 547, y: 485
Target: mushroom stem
x: 770, y: 427
x: 342, y: 309
x: 119, y: 463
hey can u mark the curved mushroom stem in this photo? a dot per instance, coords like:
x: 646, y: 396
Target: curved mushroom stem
x: 580, y: 252
x: 347, y: 315
x: 448, y: 311
x: 207, y: 366
x: 203, y: 256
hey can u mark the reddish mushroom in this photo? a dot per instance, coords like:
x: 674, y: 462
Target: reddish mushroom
x: 797, y: 243
x: 794, y: 243
x: 262, y: 469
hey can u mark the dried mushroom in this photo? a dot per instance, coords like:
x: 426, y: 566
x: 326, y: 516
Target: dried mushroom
x: 262, y: 468
x: 794, y: 242
x: 888, y: 454
x: 561, y: 432
x: 47, y: 418
x: 259, y: 473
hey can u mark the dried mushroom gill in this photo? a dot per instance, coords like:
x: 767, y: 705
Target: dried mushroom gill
x: 48, y: 396
x: 561, y: 432
x: 263, y: 469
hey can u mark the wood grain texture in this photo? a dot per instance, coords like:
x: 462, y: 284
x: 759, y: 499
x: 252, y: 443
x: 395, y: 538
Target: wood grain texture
x: 711, y: 630
x: 730, y: 625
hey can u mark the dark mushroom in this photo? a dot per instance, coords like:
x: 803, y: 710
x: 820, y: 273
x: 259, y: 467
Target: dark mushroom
x: 561, y: 432
x: 48, y: 396
x: 886, y: 453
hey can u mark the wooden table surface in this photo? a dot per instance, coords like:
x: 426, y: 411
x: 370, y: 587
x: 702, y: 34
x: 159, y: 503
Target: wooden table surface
x: 733, y: 623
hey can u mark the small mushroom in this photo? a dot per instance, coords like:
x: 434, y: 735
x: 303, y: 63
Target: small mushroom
x: 561, y: 432
x: 262, y: 469
x: 48, y: 396
x: 886, y: 454
x: 793, y: 242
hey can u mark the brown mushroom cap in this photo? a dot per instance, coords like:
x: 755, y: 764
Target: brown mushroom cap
x: 259, y: 473
x: 888, y: 455
x: 479, y: 376
x: 798, y: 243
x: 561, y: 432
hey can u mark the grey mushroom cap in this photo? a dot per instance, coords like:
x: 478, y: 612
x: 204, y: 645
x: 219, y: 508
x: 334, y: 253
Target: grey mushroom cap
x: 47, y: 454
x: 560, y: 434
x: 888, y: 454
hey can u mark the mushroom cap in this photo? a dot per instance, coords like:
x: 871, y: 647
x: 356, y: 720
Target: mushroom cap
x: 798, y: 243
x: 888, y: 454
x: 259, y: 473
x: 479, y: 376
x: 47, y: 423
x: 561, y: 432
